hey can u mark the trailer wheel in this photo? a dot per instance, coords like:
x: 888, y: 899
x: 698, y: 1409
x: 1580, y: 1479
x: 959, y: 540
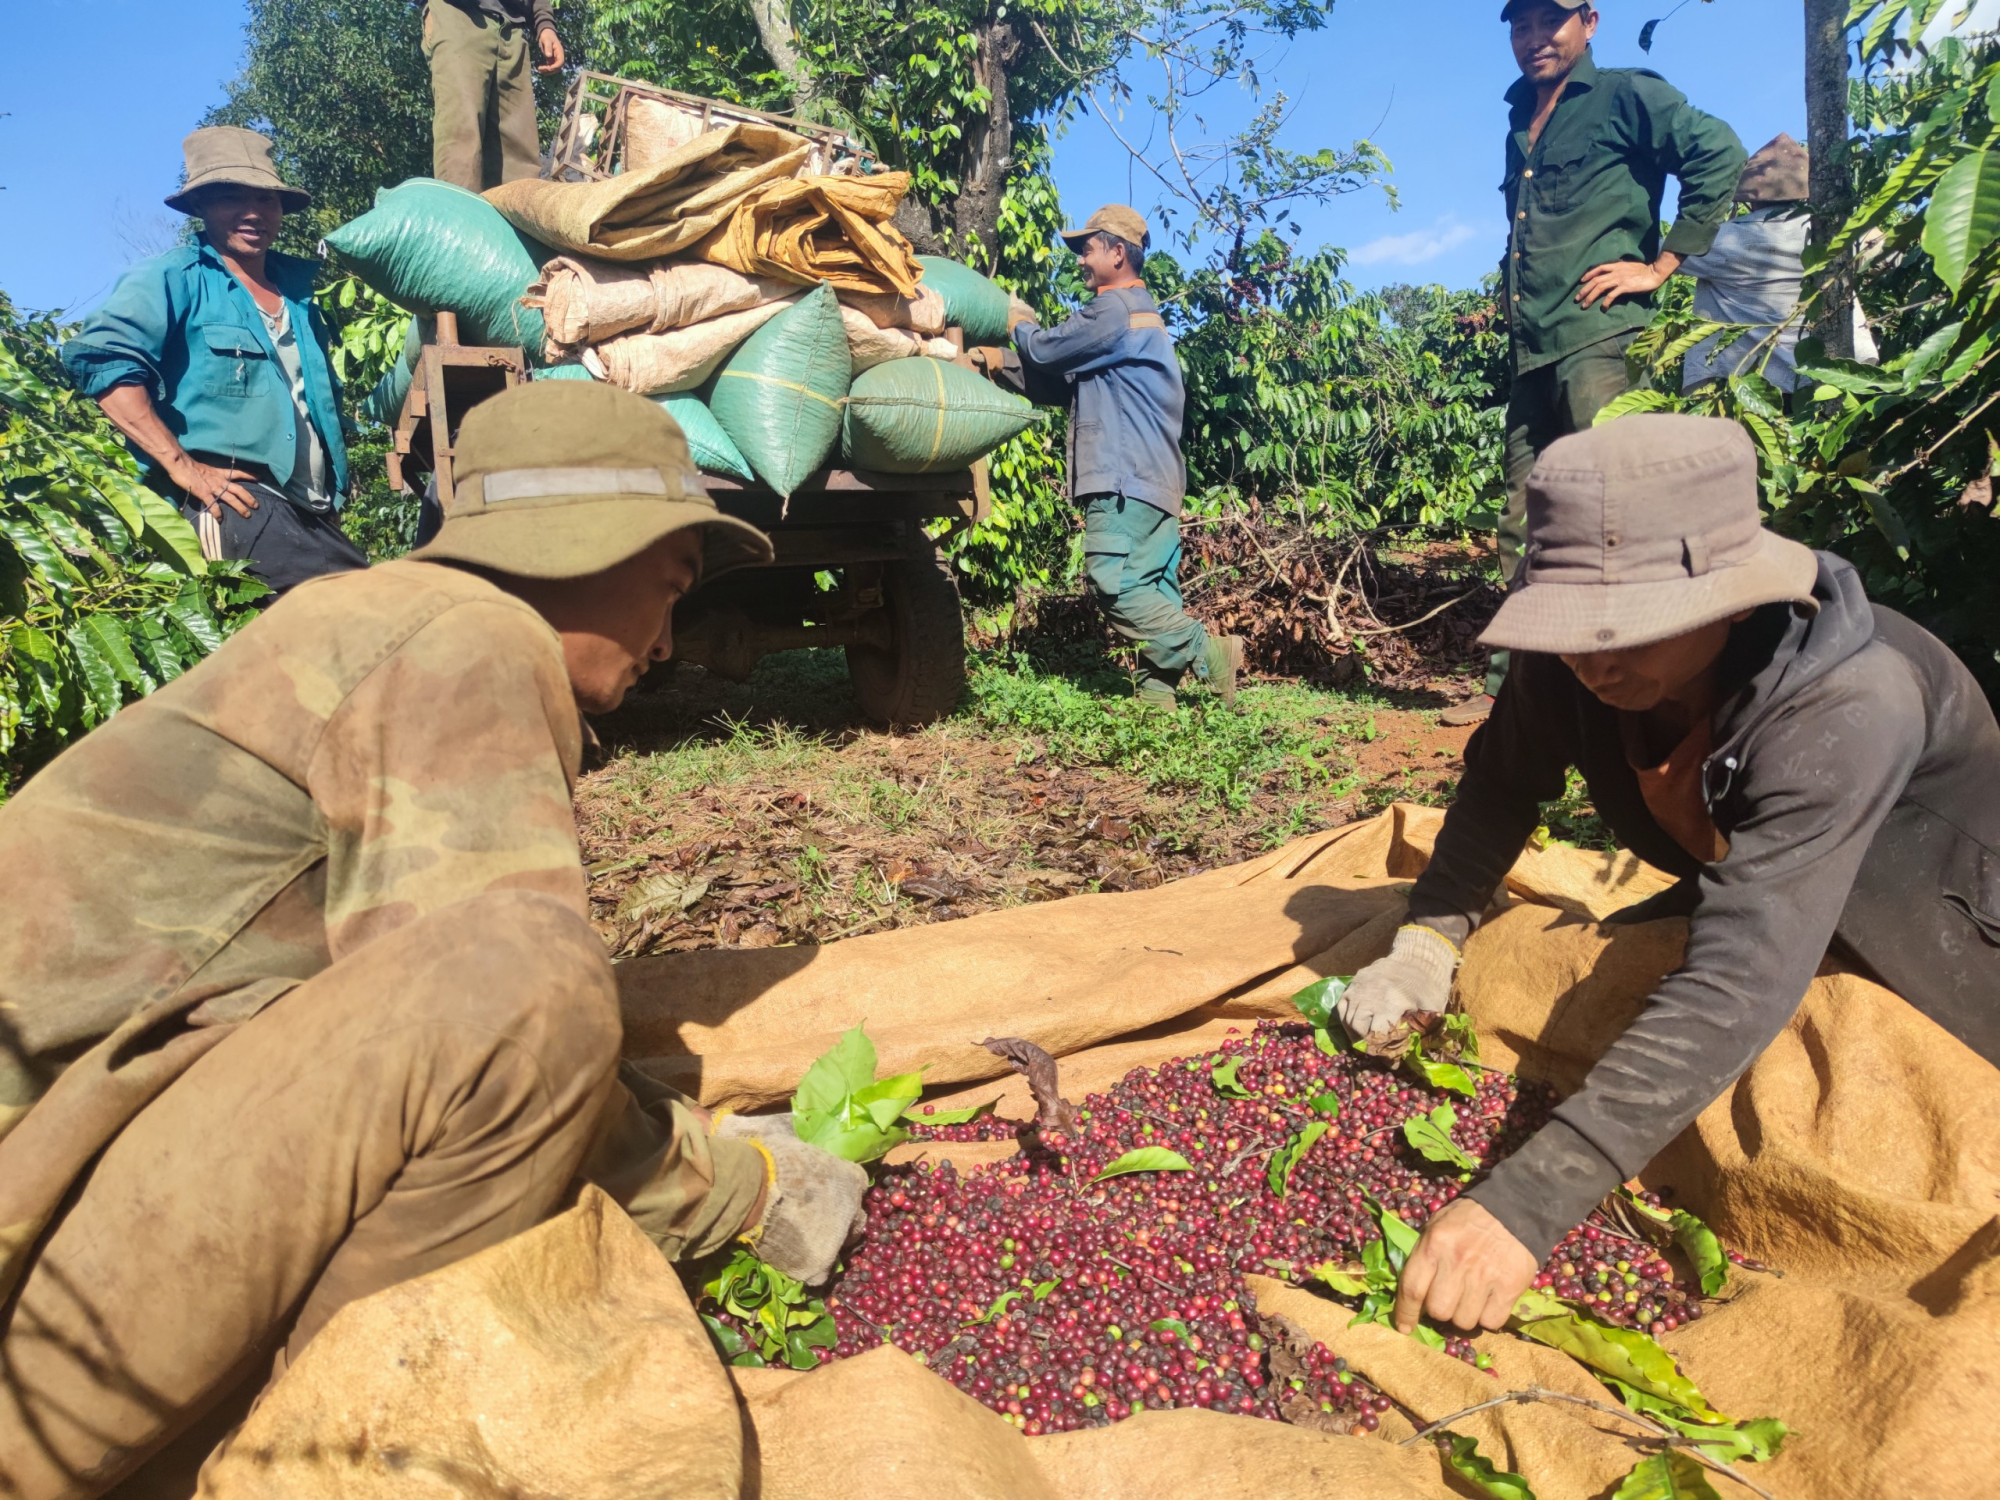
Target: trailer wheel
x: 921, y: 676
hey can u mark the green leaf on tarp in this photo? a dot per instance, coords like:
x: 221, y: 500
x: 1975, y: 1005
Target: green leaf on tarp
x: 1342, y: 1284
x: 1145, y: 1159
x: 1666, y: 1476
x: 1463, y: 1458
x: 1317, y: 1000
x: 732, y: 1345
x: 1169, y: 1325
x: 955, y: 1116
x: 1460, y: 1034
x: 1431, y: 1135
x: 1694, y: 1238
x: 1223, y: 1076
x: 1327, y: 1103
x: 1622, y: 1353
x: 1285, y: 1160
x: 999, y: 1305
x: 1398, y: 1238
x: 1042, y: 1289
x: 1428, y: 1336
x: 1439, y: 1074
x: 1756, y: 1441
x: 844, y: 1110
x: 1964, y: 216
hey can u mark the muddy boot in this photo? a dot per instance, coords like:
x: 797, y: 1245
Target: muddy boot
x: 1156, y: 692
x: 1221, y: 663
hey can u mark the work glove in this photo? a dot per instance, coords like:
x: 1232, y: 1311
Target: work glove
x: 1414, y: 980
x: 813, y: 1206
x: 1018, y: 312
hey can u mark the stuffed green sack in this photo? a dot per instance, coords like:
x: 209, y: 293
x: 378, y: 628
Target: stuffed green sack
x: 384, y: 402
x: 923, y: 416
x: 433, y: 247
x: 971, y: 301
x: 779, y: 396
x: 713, y: 452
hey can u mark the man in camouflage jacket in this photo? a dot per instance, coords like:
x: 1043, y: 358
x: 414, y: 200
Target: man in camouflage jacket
x: 298, y: 998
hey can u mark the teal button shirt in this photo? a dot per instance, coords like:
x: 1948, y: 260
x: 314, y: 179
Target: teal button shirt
x: 189, y: 332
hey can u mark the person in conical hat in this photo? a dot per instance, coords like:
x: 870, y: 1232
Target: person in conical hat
x: 301, y: 994
x: 1817, y: 771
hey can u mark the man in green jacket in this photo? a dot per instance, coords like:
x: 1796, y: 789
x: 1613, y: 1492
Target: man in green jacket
x: 1589, y: 152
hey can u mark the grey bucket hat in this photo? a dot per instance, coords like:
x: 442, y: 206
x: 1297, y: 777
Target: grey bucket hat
x: 1644, y: 529
x: 218, y: 154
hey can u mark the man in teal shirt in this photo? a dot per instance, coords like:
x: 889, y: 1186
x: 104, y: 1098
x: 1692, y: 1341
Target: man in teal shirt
x: 1589, y: 152
x: 212, y: 360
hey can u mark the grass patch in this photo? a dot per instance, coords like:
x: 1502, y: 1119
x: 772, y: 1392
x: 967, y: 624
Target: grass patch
x: 1279, y: 738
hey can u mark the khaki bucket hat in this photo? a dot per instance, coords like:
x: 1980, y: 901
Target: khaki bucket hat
x: 1113, y: 218
x: 561, y: 479
x: 1644, y: 529
x: 218, y: 154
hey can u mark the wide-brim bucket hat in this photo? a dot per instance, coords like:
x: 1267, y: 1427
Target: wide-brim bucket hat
x: 562, y: 479
x: 219, y: 155
x: 1643, y: 529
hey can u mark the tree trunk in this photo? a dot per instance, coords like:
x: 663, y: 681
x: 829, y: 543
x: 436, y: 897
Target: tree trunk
x: 989, y: 142
x: 773, y: 21
x: 1832, y: 193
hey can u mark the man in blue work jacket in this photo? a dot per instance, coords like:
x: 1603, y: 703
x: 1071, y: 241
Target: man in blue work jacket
x: 1113, y: 365
x: 212, y: 360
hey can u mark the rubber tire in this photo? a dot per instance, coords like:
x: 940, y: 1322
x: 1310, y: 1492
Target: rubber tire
x: 921, y: 677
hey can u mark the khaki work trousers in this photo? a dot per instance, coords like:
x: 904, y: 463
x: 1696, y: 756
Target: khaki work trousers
x: 423, y: 1099
x: 483, y: 129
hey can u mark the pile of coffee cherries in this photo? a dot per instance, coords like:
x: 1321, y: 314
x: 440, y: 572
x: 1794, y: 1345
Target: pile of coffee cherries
x: 1062, y: 1301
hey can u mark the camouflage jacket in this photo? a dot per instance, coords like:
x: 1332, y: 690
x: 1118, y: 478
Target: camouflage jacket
x: 379, y: 745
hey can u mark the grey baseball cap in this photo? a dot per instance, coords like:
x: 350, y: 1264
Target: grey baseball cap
x: 1507, y: 14
x: 1644, y: 529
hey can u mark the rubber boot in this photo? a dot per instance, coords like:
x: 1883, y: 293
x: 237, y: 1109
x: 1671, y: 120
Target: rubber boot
x: 1221, y: 663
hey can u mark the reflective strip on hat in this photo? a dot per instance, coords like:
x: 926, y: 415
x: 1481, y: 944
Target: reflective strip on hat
x: 541, y: 484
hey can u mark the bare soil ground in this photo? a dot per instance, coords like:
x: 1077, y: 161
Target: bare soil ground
x: 764, y: 813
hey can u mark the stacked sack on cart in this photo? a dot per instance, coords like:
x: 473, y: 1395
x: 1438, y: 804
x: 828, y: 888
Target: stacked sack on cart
x: 779, y: 316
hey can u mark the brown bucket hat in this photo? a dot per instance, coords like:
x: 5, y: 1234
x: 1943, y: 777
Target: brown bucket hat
x: 218, y: 154
x: 1644, y: 529
x: 561, y: 479
x: 1113, y: 218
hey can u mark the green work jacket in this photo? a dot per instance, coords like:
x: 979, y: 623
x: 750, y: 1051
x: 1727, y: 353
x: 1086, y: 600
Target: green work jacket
x: 1589, y: 192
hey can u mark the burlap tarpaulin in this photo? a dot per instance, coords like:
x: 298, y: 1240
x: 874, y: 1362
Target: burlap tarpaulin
x: 1859, y: 1157
x: 663, y: 210
x: 814, y: 229
x: 681, y: 358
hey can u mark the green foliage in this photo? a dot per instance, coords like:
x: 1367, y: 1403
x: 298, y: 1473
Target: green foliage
x: 1285, y: 1160
x: 1694, y: 1239
x: 1892, y: 467
x: 1223, y: 1076
x: 1431, y: 1136
x: 787, y: 1324
x: 1463, y: 1458
x: 1145, y: 1159
x: 844, y: 1110
x: 1666, y: 1476
x: 1352, y: 411
x: 1624, y: 1354
x: 103, y: 592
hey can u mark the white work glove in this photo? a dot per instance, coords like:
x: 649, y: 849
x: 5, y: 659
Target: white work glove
x: 1415, y: 978
x: 1018, y: 312
x: 814, y: 1207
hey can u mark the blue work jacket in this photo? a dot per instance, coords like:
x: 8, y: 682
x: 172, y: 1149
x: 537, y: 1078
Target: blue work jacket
x: 1113, y: 364
x: 189, y: 332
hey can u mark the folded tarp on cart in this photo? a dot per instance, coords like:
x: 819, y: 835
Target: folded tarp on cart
x: 663, y: 210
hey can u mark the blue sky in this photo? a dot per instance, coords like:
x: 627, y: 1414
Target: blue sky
x: 83, y: 172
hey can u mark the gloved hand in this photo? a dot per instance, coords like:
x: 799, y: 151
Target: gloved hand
x: 1415, y: 978
x: 1019, y: 312
x: 814, y: 1207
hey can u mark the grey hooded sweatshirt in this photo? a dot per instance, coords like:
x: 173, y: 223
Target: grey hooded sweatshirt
x: 1856, y: 779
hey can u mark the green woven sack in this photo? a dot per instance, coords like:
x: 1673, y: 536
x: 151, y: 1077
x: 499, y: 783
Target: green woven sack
x: 921, y: 416
x: 779, y: 395
x: 433, y: 247
x: 977, y: 305
x: 710, y: 445
x: 384, y: 403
